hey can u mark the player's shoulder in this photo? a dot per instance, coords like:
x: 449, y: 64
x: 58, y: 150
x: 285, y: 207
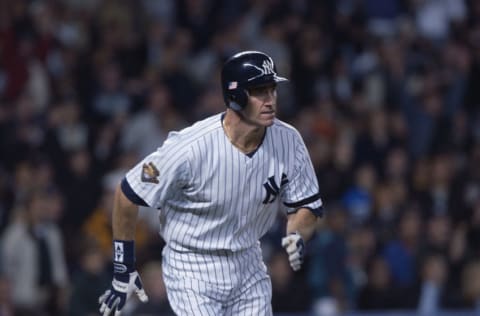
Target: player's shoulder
x: 193, y: 133
x: 284, y: 127
x: 202, y: 127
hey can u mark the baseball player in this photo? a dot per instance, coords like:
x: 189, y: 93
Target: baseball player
x: 218, y: 185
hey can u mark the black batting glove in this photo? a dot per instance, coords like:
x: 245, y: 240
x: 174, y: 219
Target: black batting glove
x: 126, y: 280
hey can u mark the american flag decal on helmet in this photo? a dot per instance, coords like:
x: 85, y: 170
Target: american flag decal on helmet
x: 232, y: 85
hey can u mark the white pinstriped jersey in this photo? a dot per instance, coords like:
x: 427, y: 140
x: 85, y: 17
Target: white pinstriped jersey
x: 214, y: 197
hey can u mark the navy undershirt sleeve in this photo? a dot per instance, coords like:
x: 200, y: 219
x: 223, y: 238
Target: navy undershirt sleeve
x: 130, y: 194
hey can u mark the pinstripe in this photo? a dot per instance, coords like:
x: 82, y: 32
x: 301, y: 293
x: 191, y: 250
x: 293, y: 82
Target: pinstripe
x: 252, y: 286
x: 195, y: 306
x: 214, y: 207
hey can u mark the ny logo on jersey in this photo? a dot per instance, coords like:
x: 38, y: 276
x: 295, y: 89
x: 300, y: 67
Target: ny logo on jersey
x: 150, y: 173
x: 272, y: 188
x: 267, y: 69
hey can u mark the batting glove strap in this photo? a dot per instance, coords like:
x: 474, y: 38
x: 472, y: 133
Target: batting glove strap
x: 123, y: 257
x: 119, y: 286
x: 295, y: 247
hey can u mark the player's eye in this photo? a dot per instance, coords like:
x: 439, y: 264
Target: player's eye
x: 262, y: 90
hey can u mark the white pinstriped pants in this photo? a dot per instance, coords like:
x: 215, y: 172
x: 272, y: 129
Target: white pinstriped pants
x: 224, y: 283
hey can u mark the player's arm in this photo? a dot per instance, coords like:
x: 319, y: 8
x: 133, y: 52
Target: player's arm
x: 300, y: 228
x: 302, y: 196
x: 126, y: 279
x: 303, y: 222
x: 124, y: 217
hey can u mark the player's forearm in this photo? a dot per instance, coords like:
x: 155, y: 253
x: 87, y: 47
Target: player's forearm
x: 303, y: 221
x: 124, y: 217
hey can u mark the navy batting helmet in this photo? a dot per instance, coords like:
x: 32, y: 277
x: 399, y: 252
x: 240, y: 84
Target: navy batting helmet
x: 245, y: 70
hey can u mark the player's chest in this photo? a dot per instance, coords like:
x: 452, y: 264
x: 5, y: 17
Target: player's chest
x: 234, y: 179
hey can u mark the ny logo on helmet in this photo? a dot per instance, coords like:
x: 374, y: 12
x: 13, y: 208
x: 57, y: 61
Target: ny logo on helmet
x: 272, y: 189
x: 267, y: 69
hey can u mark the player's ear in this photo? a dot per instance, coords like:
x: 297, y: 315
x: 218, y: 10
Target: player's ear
x: 237, y: 99
x: 234, y: 105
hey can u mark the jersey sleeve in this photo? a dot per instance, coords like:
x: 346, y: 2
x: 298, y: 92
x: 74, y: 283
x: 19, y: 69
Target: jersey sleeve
x: 159, y: 175
x: 302, y: 189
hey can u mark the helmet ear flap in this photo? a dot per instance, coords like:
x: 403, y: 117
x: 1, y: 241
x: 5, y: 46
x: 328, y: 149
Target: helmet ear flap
x: 238, y: 99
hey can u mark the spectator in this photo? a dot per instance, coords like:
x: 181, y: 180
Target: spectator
x: 329, y: 269
x: 6, y: 303
x: 362, y: 245
x: 288, y: 289
x: 336, y: 173
x: 401, y: 253
x: 434, y: 274
x: 80, y: 176
x: 380, y: 293
x: 38, y: 273
x: 156, y: 121
x: 358, y: 199
x: 88, y: 280
x: 438, y: 233
x: 471, y: 290
x: 386, y: 212
x: 110, y: 101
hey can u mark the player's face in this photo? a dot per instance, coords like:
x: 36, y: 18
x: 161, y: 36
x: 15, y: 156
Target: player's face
x: 262, y: 105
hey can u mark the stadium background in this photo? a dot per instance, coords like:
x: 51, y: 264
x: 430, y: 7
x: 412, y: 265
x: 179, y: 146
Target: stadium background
x: 386, y: 94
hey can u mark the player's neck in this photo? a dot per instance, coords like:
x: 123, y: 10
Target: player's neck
x: 244, y: 136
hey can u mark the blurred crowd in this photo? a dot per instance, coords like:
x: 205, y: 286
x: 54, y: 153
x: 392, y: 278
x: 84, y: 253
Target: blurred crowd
x: 386, y: 94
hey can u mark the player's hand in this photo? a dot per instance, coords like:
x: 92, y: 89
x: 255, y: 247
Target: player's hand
x: 113, y: 300
x: 295, y: 247
x: 126, y: 280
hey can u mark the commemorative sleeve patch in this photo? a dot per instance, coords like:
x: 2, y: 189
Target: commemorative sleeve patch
x: 150, y: 173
